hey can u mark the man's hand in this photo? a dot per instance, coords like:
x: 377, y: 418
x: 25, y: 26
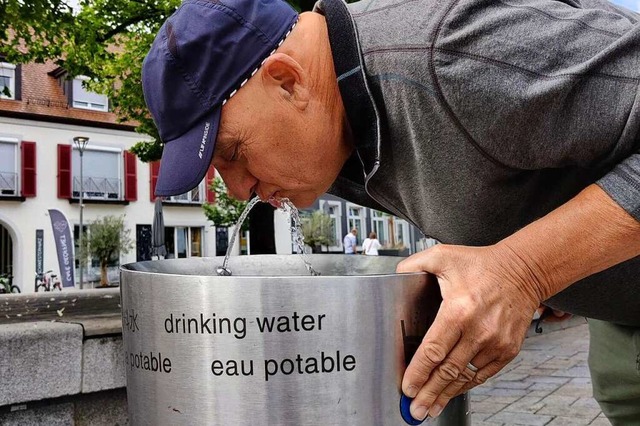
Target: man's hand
x: 490, y: 293
x: 486, y: 310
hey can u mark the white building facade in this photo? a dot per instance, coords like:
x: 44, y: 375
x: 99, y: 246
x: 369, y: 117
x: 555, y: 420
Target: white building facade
x: 115, y: 183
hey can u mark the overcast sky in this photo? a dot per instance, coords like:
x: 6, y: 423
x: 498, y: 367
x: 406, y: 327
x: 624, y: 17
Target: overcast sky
x: 73, y: 3
x: 629, y: 4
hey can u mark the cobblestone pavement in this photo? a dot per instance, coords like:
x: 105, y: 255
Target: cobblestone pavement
x: 548, y: 383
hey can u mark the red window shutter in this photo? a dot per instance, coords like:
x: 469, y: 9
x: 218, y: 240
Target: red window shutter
x: 211, y: 195
x: 64, y: 171
x: 154, y: 169
x: 130, y: 176
x: 28, y: 168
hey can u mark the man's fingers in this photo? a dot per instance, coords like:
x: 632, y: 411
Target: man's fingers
x: 452, y: 390
x: 483, y: 375
x: 429, y: 260
x: 448, y: 377
x: 489, y: 362
x: 467, y: 380
x: 435, y: 347
x: 454, y: 376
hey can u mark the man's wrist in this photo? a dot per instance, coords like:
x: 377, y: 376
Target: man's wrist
x: 588, y: 234
x: 521, y: 271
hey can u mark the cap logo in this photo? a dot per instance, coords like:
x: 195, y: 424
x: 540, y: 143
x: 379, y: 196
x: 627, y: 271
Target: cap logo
x: 207, y: 125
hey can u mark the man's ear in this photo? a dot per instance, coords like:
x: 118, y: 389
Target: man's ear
x: 285, y: 77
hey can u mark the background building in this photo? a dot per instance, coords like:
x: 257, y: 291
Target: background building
x: 397, y: 236
x: 40, y: 114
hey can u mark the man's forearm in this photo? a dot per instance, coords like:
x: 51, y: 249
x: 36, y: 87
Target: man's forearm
x: 586, y: 235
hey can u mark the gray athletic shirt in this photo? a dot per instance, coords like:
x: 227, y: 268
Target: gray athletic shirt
x: 473, y: 118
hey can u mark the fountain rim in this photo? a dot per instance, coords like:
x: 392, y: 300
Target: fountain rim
x: 126, y: 268
x: 263, y: 277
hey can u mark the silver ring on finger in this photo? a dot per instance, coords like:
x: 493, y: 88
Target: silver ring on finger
x: 472, y: 367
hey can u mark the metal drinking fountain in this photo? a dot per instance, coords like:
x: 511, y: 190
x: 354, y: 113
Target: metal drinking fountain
x: 272, y: 345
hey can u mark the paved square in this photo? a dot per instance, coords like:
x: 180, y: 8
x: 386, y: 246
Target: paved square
x: 548, y: 383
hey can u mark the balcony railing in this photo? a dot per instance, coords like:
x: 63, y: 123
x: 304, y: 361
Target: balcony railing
x: 8, y: 183
x: 97, y: 188
x: 191, y: 197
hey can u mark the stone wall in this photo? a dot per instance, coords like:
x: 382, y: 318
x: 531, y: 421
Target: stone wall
x: 63, y: 370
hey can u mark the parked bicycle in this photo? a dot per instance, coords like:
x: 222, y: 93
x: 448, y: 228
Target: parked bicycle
x: 48, y: 281
x: 6, y: 284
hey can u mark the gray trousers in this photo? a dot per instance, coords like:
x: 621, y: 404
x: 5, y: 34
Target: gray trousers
x: 614, y: 361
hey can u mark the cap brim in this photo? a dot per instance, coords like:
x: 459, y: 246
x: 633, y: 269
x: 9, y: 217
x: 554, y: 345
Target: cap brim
x: 185, y: 160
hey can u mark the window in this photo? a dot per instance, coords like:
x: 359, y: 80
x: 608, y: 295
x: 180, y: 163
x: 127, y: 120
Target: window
x: 7, y: 81
x: 355, y: 219
x: 143, y: 242
x: 380, y: 225
x: 195, y: 196
x: 334, y: 210
x: 402, y: 233
x: 8, y: 168
x: 101, y: 174
x: 183, y: 241
x: 6, y: 251
x: 196, y: 242
x: 17, y: 168
x: 82, y: 98
x: 182, y: 236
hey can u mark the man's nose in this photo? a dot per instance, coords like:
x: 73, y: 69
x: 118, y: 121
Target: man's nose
x: 241, y: 194
x: 239, y: 184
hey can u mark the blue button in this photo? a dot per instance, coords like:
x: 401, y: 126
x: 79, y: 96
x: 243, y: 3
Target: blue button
x: 405, y: 402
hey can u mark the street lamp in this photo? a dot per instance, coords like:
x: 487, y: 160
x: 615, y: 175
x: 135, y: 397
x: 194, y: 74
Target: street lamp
x: 81, y: 143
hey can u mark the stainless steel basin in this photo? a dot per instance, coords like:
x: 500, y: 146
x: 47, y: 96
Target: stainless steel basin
x: 272, y: 345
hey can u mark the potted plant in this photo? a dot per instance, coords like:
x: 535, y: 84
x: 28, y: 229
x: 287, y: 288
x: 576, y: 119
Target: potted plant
x: 317, y: 230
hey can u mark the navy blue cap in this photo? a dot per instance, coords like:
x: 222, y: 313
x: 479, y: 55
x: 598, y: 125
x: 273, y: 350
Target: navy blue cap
x: 201, y: 56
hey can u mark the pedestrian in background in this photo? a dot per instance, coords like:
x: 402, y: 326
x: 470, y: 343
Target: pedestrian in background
x: 350, y: 242
x: 371, y: 245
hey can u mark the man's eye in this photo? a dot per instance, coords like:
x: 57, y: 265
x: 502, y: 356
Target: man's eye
x: 236, y: 152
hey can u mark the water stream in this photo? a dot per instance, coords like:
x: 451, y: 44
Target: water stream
x: 296, y: 231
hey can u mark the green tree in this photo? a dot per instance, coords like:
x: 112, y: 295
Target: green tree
x: 317, y: 229
x: 105, y: 40
x: 107, y: 238
x: 225, y: 211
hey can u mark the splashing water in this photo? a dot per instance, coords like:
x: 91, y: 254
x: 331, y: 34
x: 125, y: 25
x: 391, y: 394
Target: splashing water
x: 296, y: 231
